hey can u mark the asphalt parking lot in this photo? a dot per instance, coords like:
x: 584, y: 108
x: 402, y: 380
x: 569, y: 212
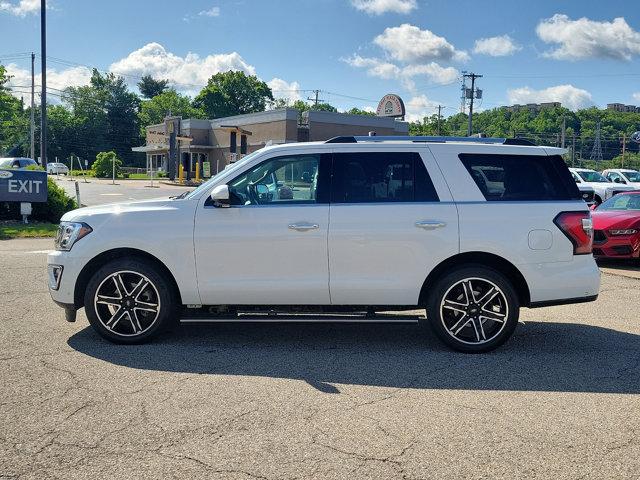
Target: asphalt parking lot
x: 560, y: 400
x: 98, y: 191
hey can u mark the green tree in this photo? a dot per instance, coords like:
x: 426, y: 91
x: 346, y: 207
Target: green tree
x: 150, y: 87
x: 233, y: 93
x: 103, y: 166
x: 153, y: 111
x: 358, y: 111
x: 13, y: 121
x: 106, y: 115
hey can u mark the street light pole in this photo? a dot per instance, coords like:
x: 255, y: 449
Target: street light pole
x: 43, y: 95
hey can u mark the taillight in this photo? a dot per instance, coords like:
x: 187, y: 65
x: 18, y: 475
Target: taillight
x: 578, y: 228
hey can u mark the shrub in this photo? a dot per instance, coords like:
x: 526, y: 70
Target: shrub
x: 58, y: 203
x: 103, y: 166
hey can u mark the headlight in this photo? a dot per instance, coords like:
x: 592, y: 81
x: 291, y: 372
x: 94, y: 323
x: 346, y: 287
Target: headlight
x: 69, y: 233
x: 628, y: 231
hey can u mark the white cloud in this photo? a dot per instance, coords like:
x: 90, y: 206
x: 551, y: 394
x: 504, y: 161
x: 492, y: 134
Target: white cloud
x: 636, y: 96
x: 585, y: 38
x: 212, y: 12
x: 432, y: 71
x: 189, y: 73
x: 419, y: 107
x: 378, y: 7
x: 56, y: 80
x: 284, y: 89
x: 374, y: 66
x: 570, y: 96
x: 408, y: 43
x: 21, y: 8
x: 500, y: 46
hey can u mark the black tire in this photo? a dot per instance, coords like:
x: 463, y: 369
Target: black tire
x: 446, y: 316
x: 137, y: 322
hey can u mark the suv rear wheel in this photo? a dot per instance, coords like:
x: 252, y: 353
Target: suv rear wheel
x: 128, y: 301
x: 473, y: 309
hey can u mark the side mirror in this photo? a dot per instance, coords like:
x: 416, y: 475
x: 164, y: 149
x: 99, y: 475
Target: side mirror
x: 220, y: 196
x: 617, y: 180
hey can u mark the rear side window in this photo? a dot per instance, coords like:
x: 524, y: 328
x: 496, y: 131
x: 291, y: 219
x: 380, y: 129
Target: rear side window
x: 380, y: 177
x: 521, y: 177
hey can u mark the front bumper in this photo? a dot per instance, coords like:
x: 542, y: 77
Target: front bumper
x: 618, y: 247
x: 71, y: 267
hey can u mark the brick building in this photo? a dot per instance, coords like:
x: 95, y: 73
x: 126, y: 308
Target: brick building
x: 224, y: 140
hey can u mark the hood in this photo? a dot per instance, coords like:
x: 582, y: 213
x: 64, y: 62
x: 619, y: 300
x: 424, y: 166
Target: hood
x: 91, y: 214
x: 607, y: 219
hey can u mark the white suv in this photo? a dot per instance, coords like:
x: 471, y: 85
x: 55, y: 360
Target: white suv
x: 352, y: 225
x: 625, y: 176
x: 603, y: 187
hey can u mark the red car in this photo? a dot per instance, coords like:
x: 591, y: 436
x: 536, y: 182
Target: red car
x: 616, y: 227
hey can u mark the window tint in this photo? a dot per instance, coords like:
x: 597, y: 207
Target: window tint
x: 281, y: 180
x: 521, y: 177
x: 380, y: 177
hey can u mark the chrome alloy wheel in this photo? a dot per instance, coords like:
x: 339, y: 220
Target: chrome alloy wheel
x: 474, y: 311
x: 127, y: 303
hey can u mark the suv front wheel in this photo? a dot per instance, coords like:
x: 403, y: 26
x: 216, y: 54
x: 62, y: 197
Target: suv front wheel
x: 473, y: 309
x: 128, y: 301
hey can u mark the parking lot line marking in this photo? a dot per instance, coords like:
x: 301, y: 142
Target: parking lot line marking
x: 118, y: 194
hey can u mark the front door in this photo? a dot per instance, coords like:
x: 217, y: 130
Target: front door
x: 392, y: 222
x: 270, y: 246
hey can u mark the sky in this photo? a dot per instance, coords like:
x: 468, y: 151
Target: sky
x: 580, y: 53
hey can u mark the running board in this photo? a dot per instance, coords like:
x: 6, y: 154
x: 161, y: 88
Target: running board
x: 304, y: 318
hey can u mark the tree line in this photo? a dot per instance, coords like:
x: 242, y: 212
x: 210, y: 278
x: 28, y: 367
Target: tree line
x: 106, y: 115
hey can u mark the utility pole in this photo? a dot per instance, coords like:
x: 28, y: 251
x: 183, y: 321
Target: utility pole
x: 564, y: 130
x: 43, y: 95
x: 596, y: 152
x: 473, y: 94
x: 463, y: 96
x: 573, y: 150
x: 439, y: 117
x: 33, y: 117
x: 315, y: 100
x: 624, y: 146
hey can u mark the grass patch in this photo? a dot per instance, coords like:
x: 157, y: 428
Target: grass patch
x: 10, y: 230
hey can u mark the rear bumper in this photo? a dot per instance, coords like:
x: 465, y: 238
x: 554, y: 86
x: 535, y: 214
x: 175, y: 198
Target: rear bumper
x: 558, y: 283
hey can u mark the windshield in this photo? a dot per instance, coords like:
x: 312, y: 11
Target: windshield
x: 632, y: 176
x: 591, y: 176
x: 206, y: 185
x: 622, y: 201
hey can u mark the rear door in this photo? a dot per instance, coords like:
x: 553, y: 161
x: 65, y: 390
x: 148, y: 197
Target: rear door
x: 391, y: 222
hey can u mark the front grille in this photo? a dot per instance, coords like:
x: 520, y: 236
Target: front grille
x: 588, y: 196
x: 599, y: 236
x: 623, y: 249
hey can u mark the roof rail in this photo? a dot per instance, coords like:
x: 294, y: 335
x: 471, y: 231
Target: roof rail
x: 425, y: 139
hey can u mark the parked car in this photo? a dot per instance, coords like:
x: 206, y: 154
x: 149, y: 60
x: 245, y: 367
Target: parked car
x: 56, y: 168
x: 17, y: 162
x: 384, y: 223
x: 604, y: 189
x: 588, y: 194
x: 623, y: 175
x: 616, y: 226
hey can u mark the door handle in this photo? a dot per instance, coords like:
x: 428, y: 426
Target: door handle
x: 430, y: 224
x: 303, y: 227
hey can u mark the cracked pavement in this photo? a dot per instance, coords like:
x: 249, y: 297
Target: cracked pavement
x: 296, y: 401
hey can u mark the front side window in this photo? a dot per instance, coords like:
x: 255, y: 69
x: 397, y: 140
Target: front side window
x: 281, y: 180
x: 521, y: 177
x: 380, y: 177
